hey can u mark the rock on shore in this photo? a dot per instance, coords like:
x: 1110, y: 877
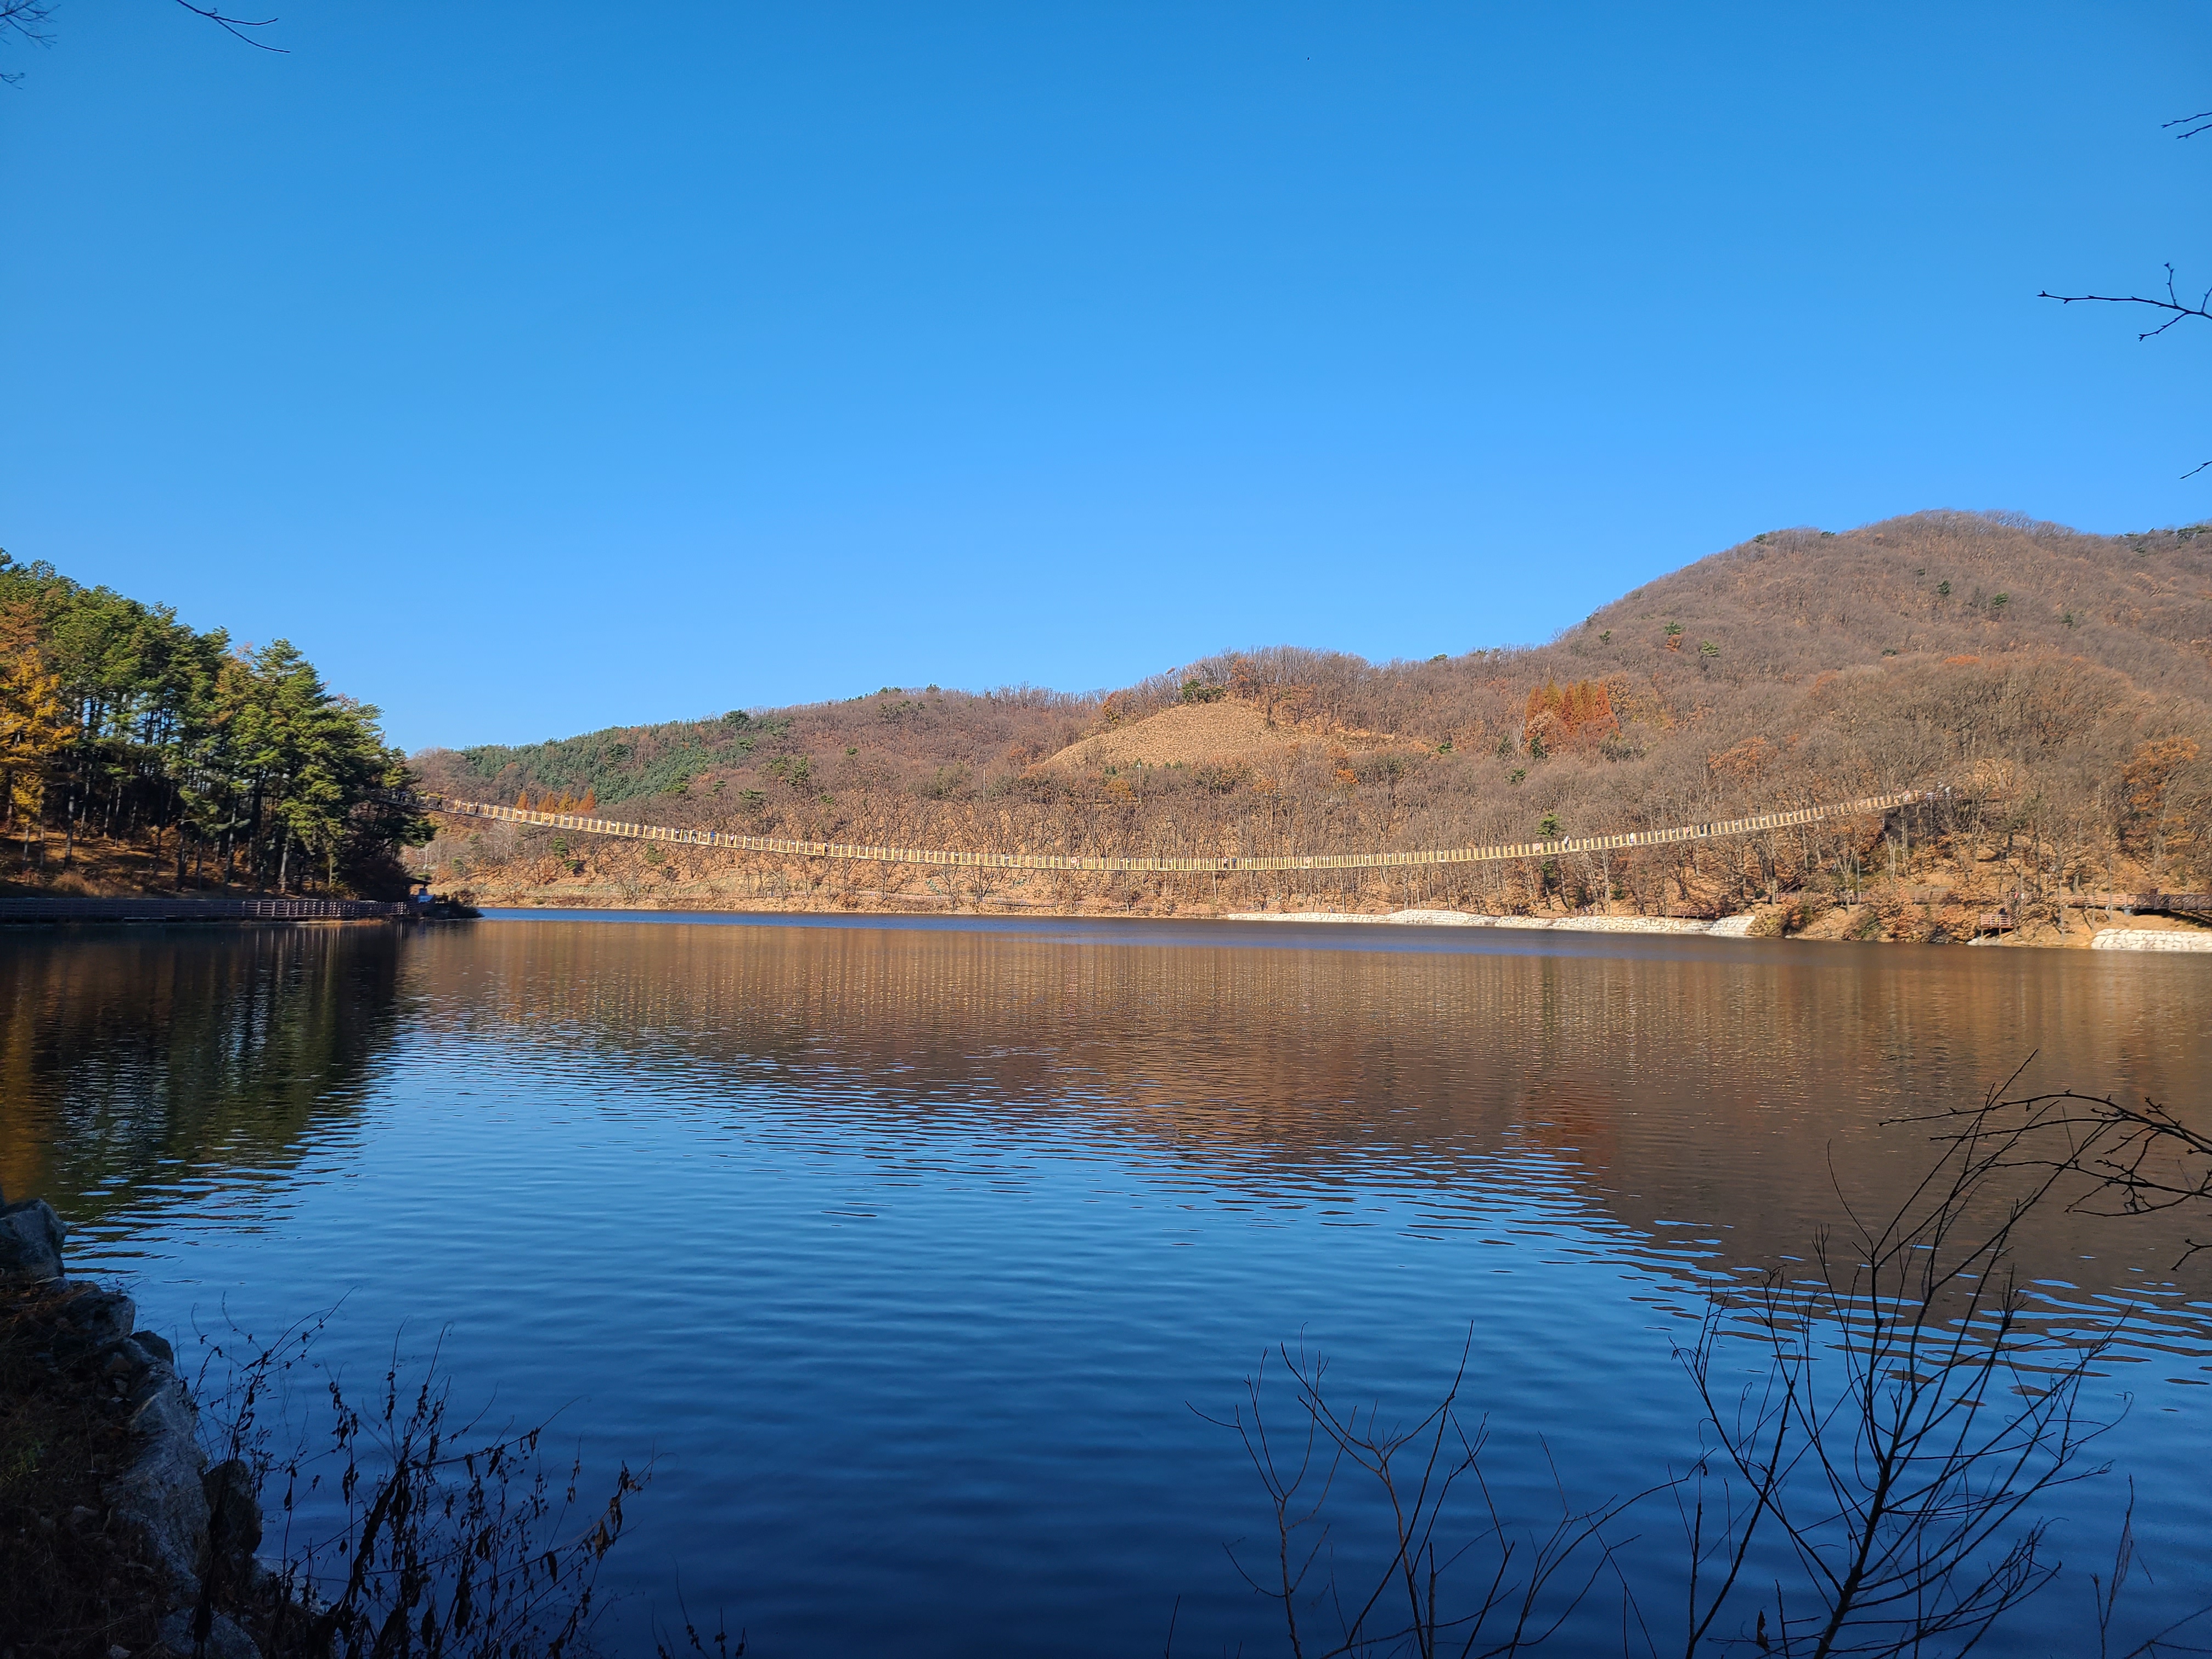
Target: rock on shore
x: 162, y: 1501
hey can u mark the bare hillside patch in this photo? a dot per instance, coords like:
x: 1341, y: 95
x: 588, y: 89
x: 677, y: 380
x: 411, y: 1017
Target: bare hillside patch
x: 1194, y: 734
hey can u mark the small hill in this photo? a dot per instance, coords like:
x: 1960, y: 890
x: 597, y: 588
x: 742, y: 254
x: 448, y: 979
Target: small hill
x: 1186, y: 734
x: 2061, y: 681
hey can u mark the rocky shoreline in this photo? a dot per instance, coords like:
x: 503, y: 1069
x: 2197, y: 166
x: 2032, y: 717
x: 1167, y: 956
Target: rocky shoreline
x: 2170, y: 936
x: 1854, y: 924
x: 93, y: 1409
x: 1736, y: 926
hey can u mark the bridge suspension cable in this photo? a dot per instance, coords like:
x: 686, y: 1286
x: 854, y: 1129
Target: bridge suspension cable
x: 1147, y: 866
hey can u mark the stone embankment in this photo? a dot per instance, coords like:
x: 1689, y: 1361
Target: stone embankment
x: 1726, y: 927
x: 2131, y: 939
x: 169, y: 1526
x: 2139, y: 937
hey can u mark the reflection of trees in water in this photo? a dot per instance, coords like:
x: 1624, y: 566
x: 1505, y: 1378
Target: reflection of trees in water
x: 1707, y: 1103
x: 1729, y: 1093
x: 128, y: 1060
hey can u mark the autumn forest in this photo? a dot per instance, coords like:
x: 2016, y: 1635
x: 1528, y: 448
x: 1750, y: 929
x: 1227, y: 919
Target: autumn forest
x: 138, y: 752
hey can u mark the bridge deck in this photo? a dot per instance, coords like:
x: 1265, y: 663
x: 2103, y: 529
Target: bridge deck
x: 1218, y: 866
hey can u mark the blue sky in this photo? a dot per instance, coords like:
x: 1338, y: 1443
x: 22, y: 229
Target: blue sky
x: 538, y: 367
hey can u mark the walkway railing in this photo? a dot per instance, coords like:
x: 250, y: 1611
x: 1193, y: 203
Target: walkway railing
x: 2139, y: 902
x: 1221, y: 866
x: 197, y: 909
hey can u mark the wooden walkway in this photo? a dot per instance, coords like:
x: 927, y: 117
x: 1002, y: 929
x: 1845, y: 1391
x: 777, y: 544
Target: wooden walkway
x: 198, y: 909
x: 1223, y: 866
x: 2166, y: 903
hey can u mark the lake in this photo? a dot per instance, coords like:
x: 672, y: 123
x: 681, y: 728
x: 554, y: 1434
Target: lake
x: 916, y: 1256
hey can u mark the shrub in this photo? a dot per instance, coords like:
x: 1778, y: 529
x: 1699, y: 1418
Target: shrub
x: 453, y: 1539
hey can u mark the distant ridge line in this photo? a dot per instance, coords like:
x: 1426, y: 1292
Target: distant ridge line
x: 1221, y: 866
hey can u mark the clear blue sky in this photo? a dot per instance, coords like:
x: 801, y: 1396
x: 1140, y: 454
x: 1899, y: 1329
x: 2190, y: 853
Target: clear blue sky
x: 537, y: 367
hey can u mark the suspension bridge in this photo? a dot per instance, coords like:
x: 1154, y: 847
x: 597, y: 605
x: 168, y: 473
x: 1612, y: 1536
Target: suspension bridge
x: 1224, y: 865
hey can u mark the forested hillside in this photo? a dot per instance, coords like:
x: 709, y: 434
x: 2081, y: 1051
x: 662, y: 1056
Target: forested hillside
x: 138, y: 752
x: 2060, y: 682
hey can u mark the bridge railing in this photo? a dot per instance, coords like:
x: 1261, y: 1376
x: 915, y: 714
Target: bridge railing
x: 1196, y: 865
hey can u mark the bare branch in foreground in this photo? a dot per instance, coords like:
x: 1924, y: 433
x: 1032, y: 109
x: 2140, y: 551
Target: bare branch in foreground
x: 1433, y: 1583
x: 451, y: 1539
x: 234, y: 27
x: 2174, y: 303
x: 1883, y: 1436
x: 1878, y: 1446
x: 2125, y: 1157
x: 26, y: 18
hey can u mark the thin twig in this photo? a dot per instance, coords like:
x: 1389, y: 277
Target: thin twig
x: 2173, y: 302
x: 234, y: 27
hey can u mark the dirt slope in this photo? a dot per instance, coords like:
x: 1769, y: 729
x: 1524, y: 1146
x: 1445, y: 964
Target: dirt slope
x: 1187, y: 734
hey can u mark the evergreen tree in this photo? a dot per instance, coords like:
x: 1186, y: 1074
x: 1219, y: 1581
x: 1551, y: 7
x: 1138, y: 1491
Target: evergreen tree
x: 119, y: 722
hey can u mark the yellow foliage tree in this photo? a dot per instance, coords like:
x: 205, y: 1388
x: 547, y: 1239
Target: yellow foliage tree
x: 34, y: 723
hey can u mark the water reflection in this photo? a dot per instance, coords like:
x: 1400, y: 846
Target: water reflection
x: 907, y: 1249
x: 1730, y: 1097
x: 133, y: 1058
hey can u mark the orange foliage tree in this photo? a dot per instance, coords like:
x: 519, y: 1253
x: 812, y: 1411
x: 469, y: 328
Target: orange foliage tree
x: 547, y: 801
x: 565, y: 802
x: 2150, y: 826
x: 1561, y: 715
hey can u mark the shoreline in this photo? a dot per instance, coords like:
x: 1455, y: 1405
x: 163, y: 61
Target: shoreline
x: 1735, y: 927
x: 2158, y: 935
x: 1842, y: 924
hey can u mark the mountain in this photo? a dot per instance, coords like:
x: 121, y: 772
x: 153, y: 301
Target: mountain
x: 2061, y: 683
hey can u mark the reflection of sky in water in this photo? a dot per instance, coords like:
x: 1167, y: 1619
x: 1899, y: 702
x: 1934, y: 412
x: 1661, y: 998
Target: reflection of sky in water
x: 906, y: 1252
